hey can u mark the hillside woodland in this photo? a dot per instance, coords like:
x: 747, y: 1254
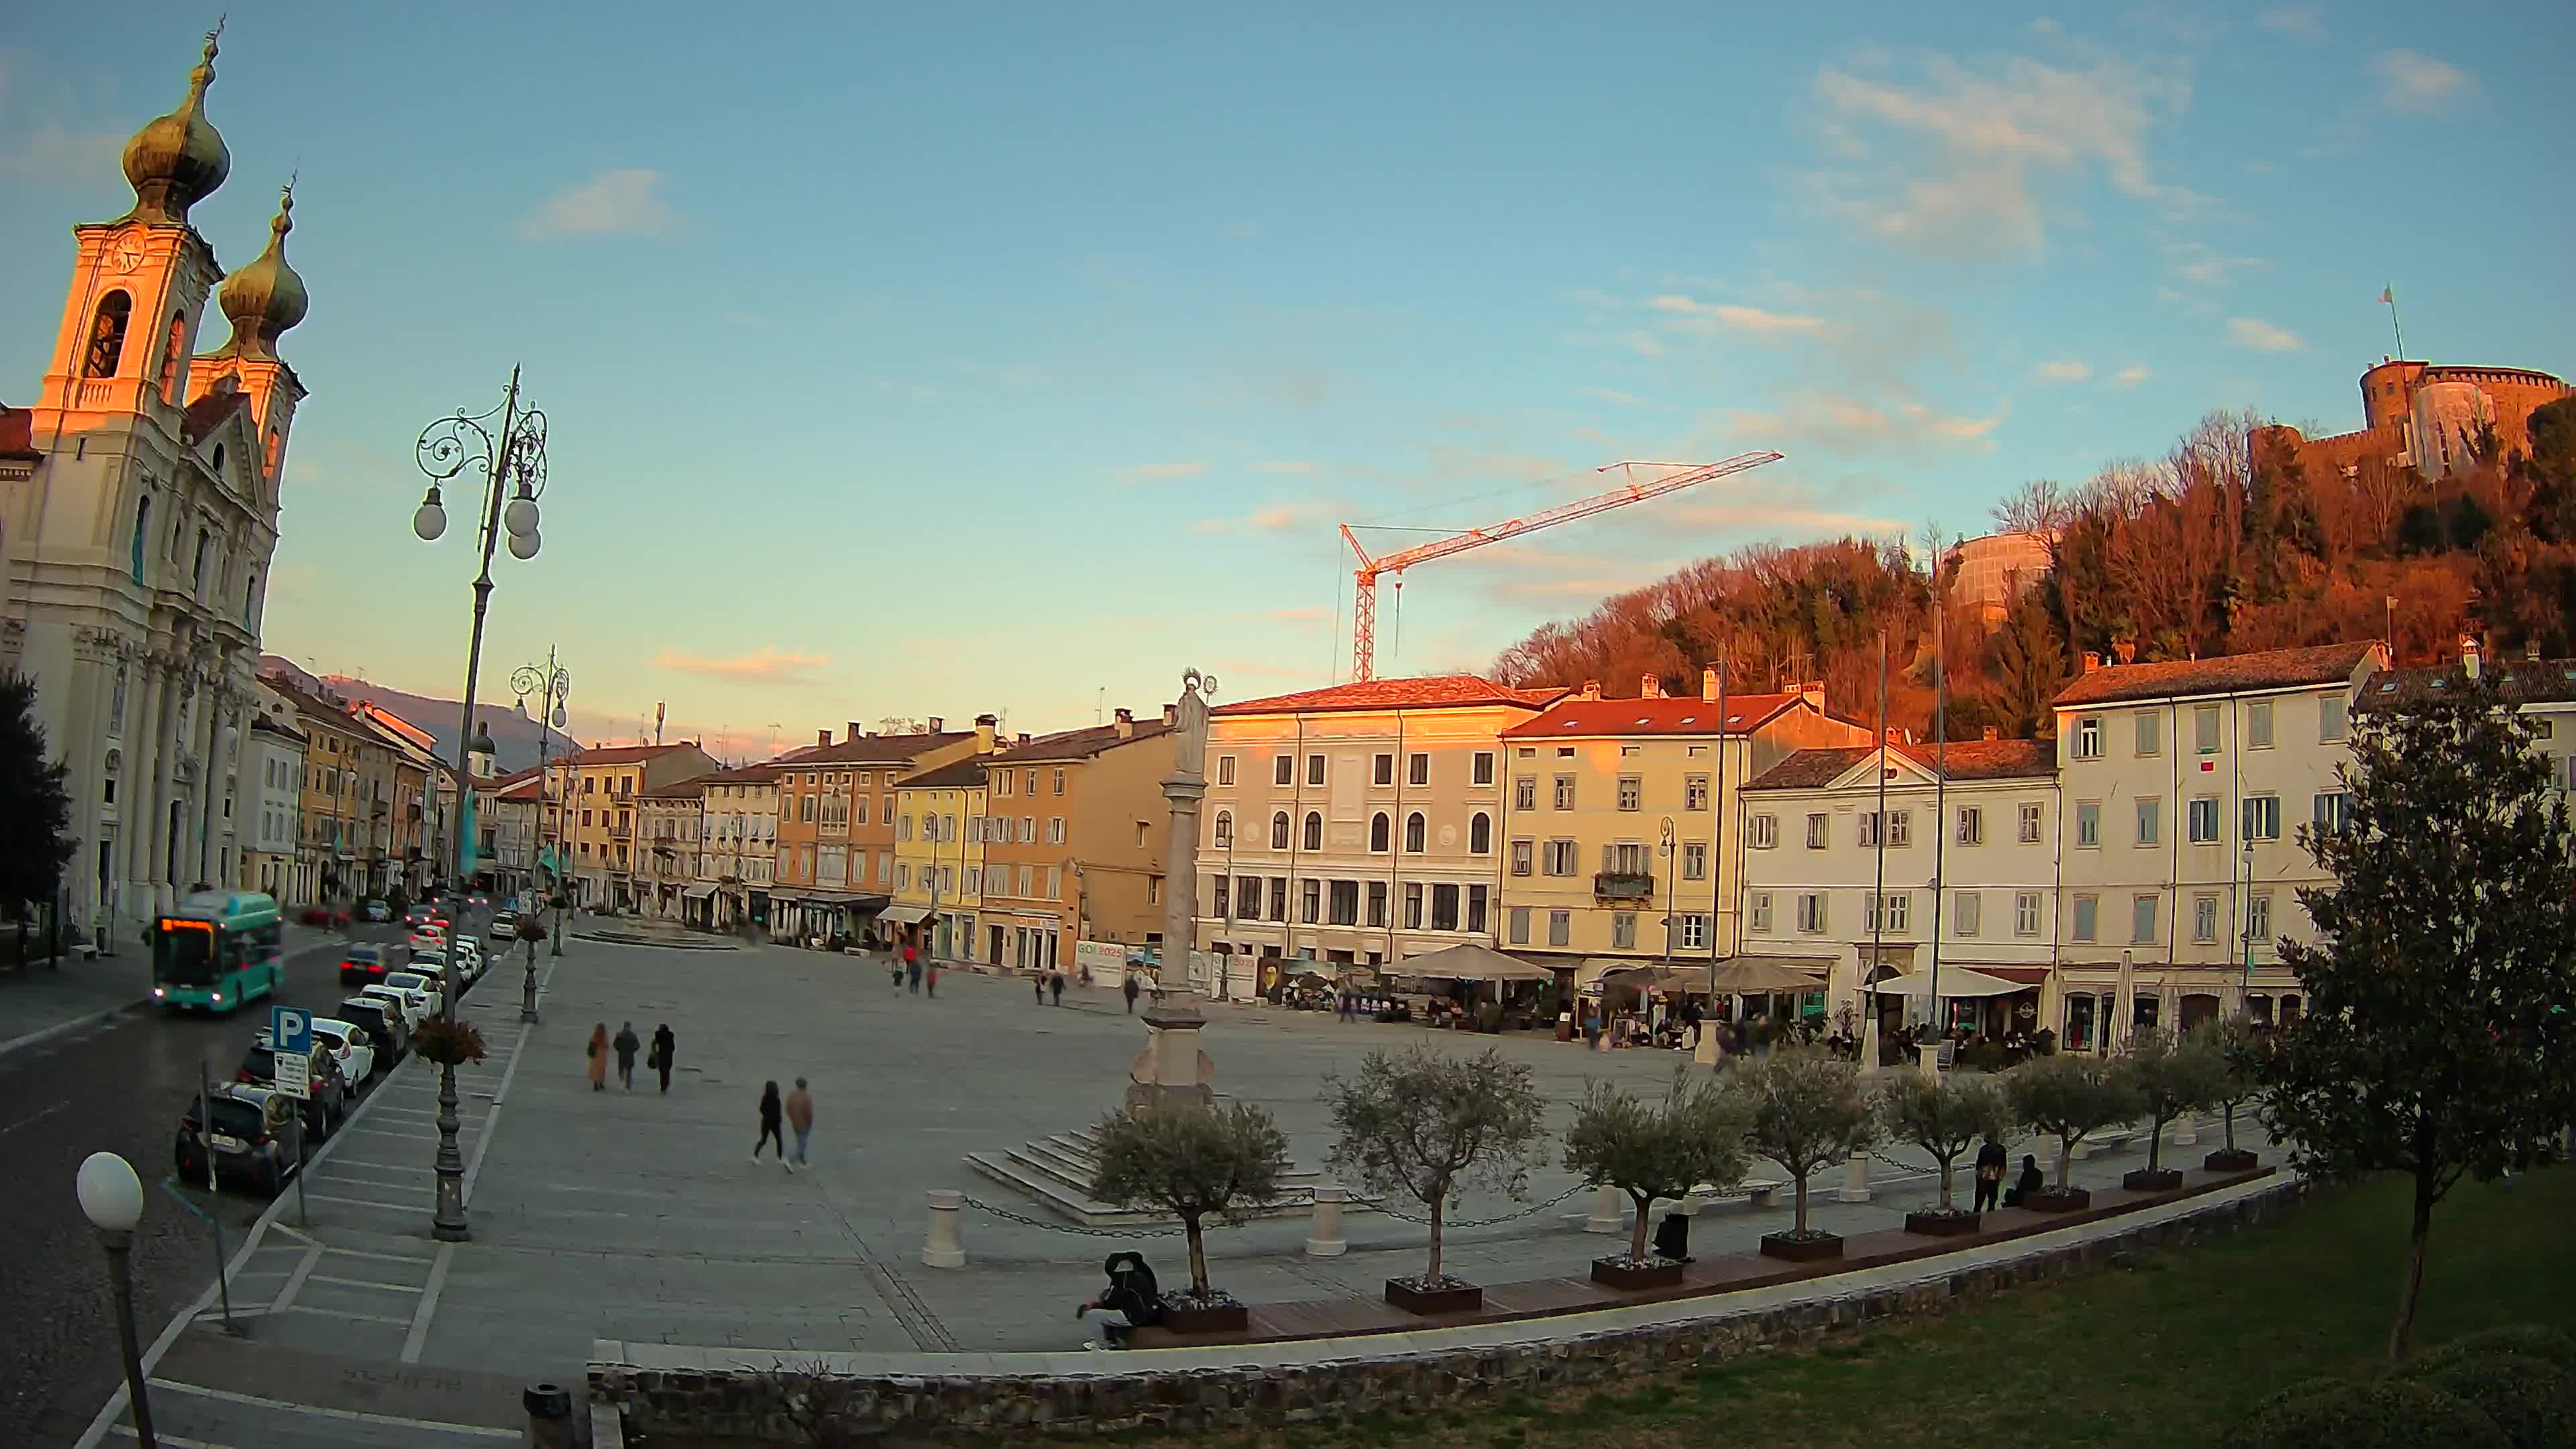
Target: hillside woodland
x: 2223, y: 546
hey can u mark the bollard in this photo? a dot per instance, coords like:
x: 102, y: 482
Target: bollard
x: 2186, y: 1131
x: 1609, y: 1211
x: 944, y: 1248
x: 549, y: 1409
x: 1324, y: 1232
x: 1856, y: 1179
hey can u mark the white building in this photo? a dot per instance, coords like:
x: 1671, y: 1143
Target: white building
x: 2185, y: 784
x: 274, y: 761
x: 1963, y: 872
x: 137, y: 524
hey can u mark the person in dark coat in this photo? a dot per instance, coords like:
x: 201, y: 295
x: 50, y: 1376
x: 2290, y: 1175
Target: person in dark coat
x: 627, y: 1045
x: 912, y: 968
x: 2028, y: 1183
x: 1991, y: 1162
x: 664, y: 1044
x: 1055, y: 985
x: 772, y: 1112
x: 1132, y: 1300
x: 1037, y: 983
x: 1133, y: 990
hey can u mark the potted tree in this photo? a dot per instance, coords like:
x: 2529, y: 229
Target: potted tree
x: 1429, y: 1125
x: 1945, y: 1114
x: 1805, y: 1111
x: 2243, y: 1049
x: 2171, y: 1075
x: 2068, y: 1097
x: 1193, y: 1163
x: 1652, y: 1150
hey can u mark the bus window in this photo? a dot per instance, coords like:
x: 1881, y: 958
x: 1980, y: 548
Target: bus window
x: 183, y: 955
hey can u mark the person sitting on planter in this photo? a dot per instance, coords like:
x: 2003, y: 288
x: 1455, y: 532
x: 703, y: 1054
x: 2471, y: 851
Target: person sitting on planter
x: 1132, y: 1300
x: 1672, y: 1238
x: 2029, y: 1182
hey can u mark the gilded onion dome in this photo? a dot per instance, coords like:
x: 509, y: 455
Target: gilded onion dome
x: 179, y: 159
x: 266, y: 297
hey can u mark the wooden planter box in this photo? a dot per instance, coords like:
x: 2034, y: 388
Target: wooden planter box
x: 1801, y: 1250
x: 2058, y: 1200
x: 2231, y: 1159
x: 1216, y: 1318
x: 2162, y: 1179
x: 1937, y: 1224
x: 1466, y: 1298
x: 1613, y: 1273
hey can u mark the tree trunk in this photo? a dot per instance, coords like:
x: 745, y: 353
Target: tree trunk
x: 2400, y: 1337
x: 1802, y: 1203
x: 2156, y: 1143
x: 1198, y: 1254
x: 2227, y: 1123
x: 2065, y: 1160
x: 1637, y: 1239
x: 1947, y: 1163
x: 1431, y: 1274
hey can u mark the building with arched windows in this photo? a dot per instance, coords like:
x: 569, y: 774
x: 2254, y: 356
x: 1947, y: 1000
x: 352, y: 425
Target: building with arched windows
x: 138, y: 515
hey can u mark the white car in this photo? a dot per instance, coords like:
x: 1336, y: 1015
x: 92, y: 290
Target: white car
x: 349, y: 1043
x: 503, y: 929
x: 469, y: 957
x: 415, y: 1005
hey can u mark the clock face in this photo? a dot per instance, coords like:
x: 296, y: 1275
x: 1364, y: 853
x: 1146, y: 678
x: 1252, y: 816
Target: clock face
x: 127, y: 255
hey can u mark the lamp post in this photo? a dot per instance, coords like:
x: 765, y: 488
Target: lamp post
x: 553, y: 686
x: 514, y: 458
x: 111, y: 1197
x: 1672, y: 874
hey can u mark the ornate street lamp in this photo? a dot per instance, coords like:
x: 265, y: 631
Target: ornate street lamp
x: 553, y: 685
x: 111, y: 1197
x: 512, y: 461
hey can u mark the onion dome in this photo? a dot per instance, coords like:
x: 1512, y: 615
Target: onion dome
x: 178, y: 160
x: 266, y: 297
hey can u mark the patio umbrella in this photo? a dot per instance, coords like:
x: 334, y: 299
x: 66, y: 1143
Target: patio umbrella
x: 1758, y: 975
x: 1956, y: 982
x: 2115, y: 1033
x: 1468, y: 961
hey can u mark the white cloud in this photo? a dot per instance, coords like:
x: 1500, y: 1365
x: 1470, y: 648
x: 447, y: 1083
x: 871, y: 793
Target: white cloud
x: 1161, y: 472
x: 1271, y: 518
x: 2129, y: 377
x: 2262, y: 336
x: 2417, y: 82
x: 1710, y: 317
x: 2063, y: 370
x: 2197, y: 264
x: 53, y: 153
x: 623, y: 201
x: 1287, y: 467
x: 1613, y: 395
x: 2299, y: 22
x: 1783, y: 519
x: 1980, y: 159
x: 766, y: 663
x: 1830, y: 421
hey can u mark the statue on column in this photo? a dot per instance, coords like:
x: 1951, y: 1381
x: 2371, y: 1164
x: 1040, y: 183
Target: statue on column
x: 1190, y: 725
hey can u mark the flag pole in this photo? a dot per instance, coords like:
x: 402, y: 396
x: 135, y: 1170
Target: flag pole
x: 2389, y: 296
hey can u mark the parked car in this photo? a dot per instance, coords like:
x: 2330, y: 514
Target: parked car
x: 326, y: 1095
x: 413, y: 1005
x: 383, y: 1022
x: 469, y: 957
x: 504, y: 929
x: 350, y: 1044
x: 379, y: 911
x: 418, y: 914
x: 241, y: 1140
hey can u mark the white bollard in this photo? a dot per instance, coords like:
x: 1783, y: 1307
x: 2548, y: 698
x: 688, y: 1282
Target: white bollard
x: 1324, y: 1230
x: 1928, y: 1057
x: 944, y: 1248
x: 2186, y: 1131
x: 1856, y: 1179
x: 1609, y: 1211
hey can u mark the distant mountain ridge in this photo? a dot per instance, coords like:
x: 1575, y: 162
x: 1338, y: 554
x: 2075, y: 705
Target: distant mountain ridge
x: 514, y: 737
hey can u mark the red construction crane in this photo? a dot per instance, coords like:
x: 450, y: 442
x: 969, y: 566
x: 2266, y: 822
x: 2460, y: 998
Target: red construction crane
x: 1364, y: 610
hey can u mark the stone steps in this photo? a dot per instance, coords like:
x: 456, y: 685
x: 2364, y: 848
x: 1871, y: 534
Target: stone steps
x: 1056, y: 1172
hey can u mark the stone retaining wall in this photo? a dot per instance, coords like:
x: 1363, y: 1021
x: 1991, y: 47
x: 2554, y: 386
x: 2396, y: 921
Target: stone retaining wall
x: 741, y: 1404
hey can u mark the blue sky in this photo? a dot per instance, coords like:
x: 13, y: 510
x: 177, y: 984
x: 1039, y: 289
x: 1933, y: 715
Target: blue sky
x: 926, y: 360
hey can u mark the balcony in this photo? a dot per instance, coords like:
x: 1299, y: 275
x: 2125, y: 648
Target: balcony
x: 1623, y: 886
x: 621, y: 832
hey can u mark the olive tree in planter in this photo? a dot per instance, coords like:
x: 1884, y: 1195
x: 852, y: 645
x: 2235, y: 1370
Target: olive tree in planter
x: 1945, y: 1114
x: 1804, y: 1110
x: 1651, y: 1150
x: 2171, y: 1075
x: 1430, y: 1125
x: 1193, y: 1163
x: 2069, y: 1097
x: 2242, y: 1050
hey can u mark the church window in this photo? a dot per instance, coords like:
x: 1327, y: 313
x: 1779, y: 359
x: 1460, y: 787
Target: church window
x: 198, y: 578
x: 107, y: 335
x: 250, y: 602
x: 142, y: 530
x: 170, y: 356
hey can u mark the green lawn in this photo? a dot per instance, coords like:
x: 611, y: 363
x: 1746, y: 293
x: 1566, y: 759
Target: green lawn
x: 2168, y: 1350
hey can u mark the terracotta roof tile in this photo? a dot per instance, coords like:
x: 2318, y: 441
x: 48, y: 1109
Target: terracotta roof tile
x: 1682, y: 715
x: 624, y: 754
x: 1964, y: 760
x: 875, y: 749
x: 2226, y: 674
x: 765, y: 773
x: 1079, y: 744
x: 2525, y: 681
x: 1431, y: 692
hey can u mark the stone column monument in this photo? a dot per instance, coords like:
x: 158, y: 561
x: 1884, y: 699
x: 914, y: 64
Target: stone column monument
x: 1173, y: 1070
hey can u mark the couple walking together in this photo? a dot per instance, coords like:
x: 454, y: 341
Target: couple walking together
x: 626, y: 1045
x: 798, y: 1112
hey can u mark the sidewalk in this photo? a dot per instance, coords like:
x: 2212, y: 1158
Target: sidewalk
x: 46, y: 1002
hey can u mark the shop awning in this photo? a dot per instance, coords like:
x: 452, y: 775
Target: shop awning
x: 1468, y: 961
x: 842, y: 898
x: 2024, y: 975
x: 700, y: 891
x: 1646, y: 975
x: 1766, y: 975
x: 905, y: 915
x: 1956, y: 981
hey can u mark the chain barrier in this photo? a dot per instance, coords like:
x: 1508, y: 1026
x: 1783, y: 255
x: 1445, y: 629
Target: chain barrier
x: 1025, y: 1220
x: 1446, y: 1224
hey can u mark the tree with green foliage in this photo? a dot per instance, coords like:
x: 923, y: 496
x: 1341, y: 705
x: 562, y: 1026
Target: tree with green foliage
x: 1649, y: 1149
x: 2172, y: 1074
x: 1945, y: 1114
x: 1429, y: 1125
x: 1804, y: 1109
x: 2437, y: 1041
x: 1193, y: 1163
x: 2070, y: 1096
x: 2242, y: 1049
x: 34, y: 802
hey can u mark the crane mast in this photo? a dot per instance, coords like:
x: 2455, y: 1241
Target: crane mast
x: 1370, y: 570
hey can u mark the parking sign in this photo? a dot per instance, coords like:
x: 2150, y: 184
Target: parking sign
x: 290, y: 1035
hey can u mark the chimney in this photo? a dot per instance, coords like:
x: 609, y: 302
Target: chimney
x: 2126, y: 650
x: 1591, y: 689
x: 1992, y: 733
x: 1126, y: 724
x: 854, y: 731
x: 1650, y: 687
x: 2092, y: 661
x: 2531, y: 650
x: 1023, y: 739
x: 938, y: 726
x: 822, y: 737
x: 985, y: 725
x: 1708, y: 684
x: 2469, y: 655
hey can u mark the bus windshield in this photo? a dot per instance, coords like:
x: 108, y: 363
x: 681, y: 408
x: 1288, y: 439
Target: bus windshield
x: 183, y: 955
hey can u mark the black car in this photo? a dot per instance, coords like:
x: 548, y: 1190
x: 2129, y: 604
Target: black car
x: 240, y: 1144
x: 383, y: 1027
x: 326, y: 1097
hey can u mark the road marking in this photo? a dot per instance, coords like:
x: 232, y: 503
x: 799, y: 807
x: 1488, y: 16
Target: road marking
x: 427, y: 1308
x: 375, y: 1166
x: 343, y: 1313
x: 34, y: 1117
x: 381, y: 1257
x: 295, y: 1281
x: 367, y: 1283
x: 391, y: 1207
x: 172, y: 1440
x: 480, y: 1431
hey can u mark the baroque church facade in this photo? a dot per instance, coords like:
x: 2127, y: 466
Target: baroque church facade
x: 137, y: 528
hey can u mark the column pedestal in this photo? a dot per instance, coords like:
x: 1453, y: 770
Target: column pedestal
x: 1609, y: 1211
x: 1855, y: 1186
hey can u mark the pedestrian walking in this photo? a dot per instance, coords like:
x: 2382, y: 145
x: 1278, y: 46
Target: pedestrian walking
x: 1132, y: 990
x: 627, y: 1046
x: 1037, y: 983
x: 800, y: 1115
x: 598, y: 1068
x: 664, y: 1044
x: 1991, y: 1162
x: 1055, y: 983
x: 769, y: 1114
x: 932, y: 977
x: 912, y: 968
x: 894, y: 966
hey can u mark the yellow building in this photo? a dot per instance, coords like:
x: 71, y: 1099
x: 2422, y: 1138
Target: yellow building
x: 598, y: 787
x: 1620, y: 843
x: 938, y: 859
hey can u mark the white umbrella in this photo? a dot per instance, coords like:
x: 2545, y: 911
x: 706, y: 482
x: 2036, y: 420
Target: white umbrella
x: 1956, y: 981
x: 2115, y: 1034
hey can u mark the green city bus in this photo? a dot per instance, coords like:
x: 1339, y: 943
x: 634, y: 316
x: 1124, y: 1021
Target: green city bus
x: 217, y: 950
